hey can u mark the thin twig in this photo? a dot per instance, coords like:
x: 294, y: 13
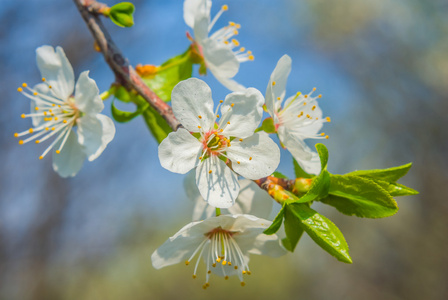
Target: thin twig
x: 124, y: 72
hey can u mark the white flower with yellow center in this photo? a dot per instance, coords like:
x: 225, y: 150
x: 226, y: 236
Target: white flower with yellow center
x: 55, y: 113
x: 297, y: 119
x: 223, y: 242
x: 220, y: 51
x: 220, y: 149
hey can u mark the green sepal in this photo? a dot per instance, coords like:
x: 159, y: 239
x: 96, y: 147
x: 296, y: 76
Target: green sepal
x: 275, y: 226
x: 299, y: 172
x: 156, y: 124
x: 122, y: 14
x: 388, y: 175
x: 362, y: 197
x: 126, y: 116
x: 293, y: 230
x: 169, y: 74
x: 277, y: 174
x: 322, y: 231
x: 268, y: 125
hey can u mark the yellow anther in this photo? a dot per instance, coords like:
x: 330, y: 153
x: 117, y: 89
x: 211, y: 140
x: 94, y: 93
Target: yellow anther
x: 314, y: 89
x: 221, y: 101
x: 218, y: 259
x: 238, y: 162
x: 243, y: 283
x: 227, y: 277
x: 320, y: 96
x: 214, y: 265
x: 35, y: 93
x: 235, y: 32
x: 23, y: 116
x: 55, y: 118
x: 228, y: 123
x: 327, y: 137
x: 187, y: 262
x: 306, y: 96
x: 43, y: 79
x: 241, y: 140
x: 308, y: 116
x: 278, y: 98
x: 224, y: 262
x: 328, y: 119
x: 225, y: 7
x: 24, y: 85
x: 200, y: 157
x: 200, y: 117
x: 322, y: 134
x: 16, y: 134
x: 242, y: 49
x: 229, y: 263
x: 232, y: 105
x: 31, y: 130
x: 250, y: 158
x: 244, y: 272
x: 304, y: 103
x: 19, y: 89
x: 207, y: 284
x: 235, y: 42
x: 58, y: 151
x: 209, y: 272
x: 46, y: 128
x: 45, y: 113
x: 235, y: 267
x: 249, y: 52
x: 313, y: 108
x: 204, y: 287
x: 317, y: 118
x: 194, y: 276
x: 54, y: 105
x: 251, y: 57
x: 59, y: 106
x: 199, y: 127
x: 53, y: 128
x: 65, y: 121
x: 226, y: 42
x: 36, y: 108
x: 232, y: 23
x: 217, y: 116
x: 40, y: 157
x: 274, y: 83
x: 50, y: 110
x: 210, y: 172
x: 221, y: 130
x: 248, y: 273
x: 21, y: 142
x: 37, y: 141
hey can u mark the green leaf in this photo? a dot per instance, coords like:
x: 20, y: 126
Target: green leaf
x: 122, y: 94
x: 362, y: 197
x: 299, y: 172
x: 389, y: 175
x: 169, y: 74
x: 122, y: 14
x: 275, y: 226
x: 322, y: 231
x: 323, y: 155
x: 156, y: 124
x: 395, y: 189
x: 126, y: 116
x: 319, y: 188
x: 268, y: 125
x: 279, y: 175
x: 293, y: 230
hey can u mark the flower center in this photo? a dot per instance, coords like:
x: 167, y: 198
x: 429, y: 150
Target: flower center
x: 51, y: 116
x: 222, y: 253
x: 214, y: 144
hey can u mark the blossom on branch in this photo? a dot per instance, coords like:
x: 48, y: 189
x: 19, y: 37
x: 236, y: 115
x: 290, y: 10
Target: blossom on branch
x: 297, y: 119
x: 55, y: 113
x: 224, y: 243
x: 220, y: 51
x: 218, y: 149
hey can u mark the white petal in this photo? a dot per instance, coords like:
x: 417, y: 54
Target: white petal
x: 307, y: 159
x: 220, y: 59
x: 107, y: 135
x: 190, y: 99
x: 267, y: 245
x: 264, y: 152
x: 200, y: 28
x: 71, y: 158
x: 201, y: 209
x: 280, y: 77
x: 179, y: 151
x: 245, y: 115
x: 56, y: 69
x: 231, y: 84
x: 252, y: 200
x: 219, y: 187
x: 192, y: 8
x: 90, y: 134
x: 87, y: 95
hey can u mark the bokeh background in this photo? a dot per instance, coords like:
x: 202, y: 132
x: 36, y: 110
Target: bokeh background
x: 382, y: 67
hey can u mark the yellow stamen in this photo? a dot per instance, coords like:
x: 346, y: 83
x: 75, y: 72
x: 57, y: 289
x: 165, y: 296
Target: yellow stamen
x: 210, y: 172
x: 224, y: 262
x: 241, y: 140
x: 232, y: 24
x: 242, y: 49
x: 243, y: 283
x: 40, y: 157
x: 320, y: 96
x: 65, y: 121
x: 194, y: 276
x: 250, y: 158
x: 217, y: 116
x: 24, y: 85
x: 209, y: 272
x: 43, y: 79
x: 327, y: 137
x: 35, y: 93
x: 238, y: 162
x: 225, y: 7
x: 322, y: 134
x: 251, y: 57
x: 221, y: 101
x: 227, y: 277
x: 232, y: 105
x: 235, y: 42
x: 37, y: 141
x: 187, y: 262
x: 328, y: 119
x: 49, y: 86
x: 235, y: 267
x: 20, y: 142
x: 278, y: 98
x: 58, y: 151
x: 200, y: 117
x: 31, y: 130
x: 313, y: 108
x: 200, y: 157
x: 199, y: 127
x: 274, y: 83
x: 16, y: 134
x: 19, y: 89
x: 228, y: 123
x: 23, y: 116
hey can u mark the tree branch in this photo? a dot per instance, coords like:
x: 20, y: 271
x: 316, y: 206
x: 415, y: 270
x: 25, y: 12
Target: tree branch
x: 124, y: 72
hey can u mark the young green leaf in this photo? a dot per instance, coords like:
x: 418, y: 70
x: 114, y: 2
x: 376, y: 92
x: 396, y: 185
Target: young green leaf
x: 322, y: 231
x: 293, y: 230
x: 122, y: 14
x: 323, y: 155
x: 388, y: 175
x: 299, y: 172
x: 126, y: 116
x: 319, y: 188
x: 279, y: 175
x: 362, y: 197
x: 395, y: 189
x: 169, y: 74
x: 275, y: 226
x: 156, y: 124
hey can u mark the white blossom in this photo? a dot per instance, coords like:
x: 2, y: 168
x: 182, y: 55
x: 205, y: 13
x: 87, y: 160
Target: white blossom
x: 55, y: 113
x: 297, y: 119
x: 212, y: 143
